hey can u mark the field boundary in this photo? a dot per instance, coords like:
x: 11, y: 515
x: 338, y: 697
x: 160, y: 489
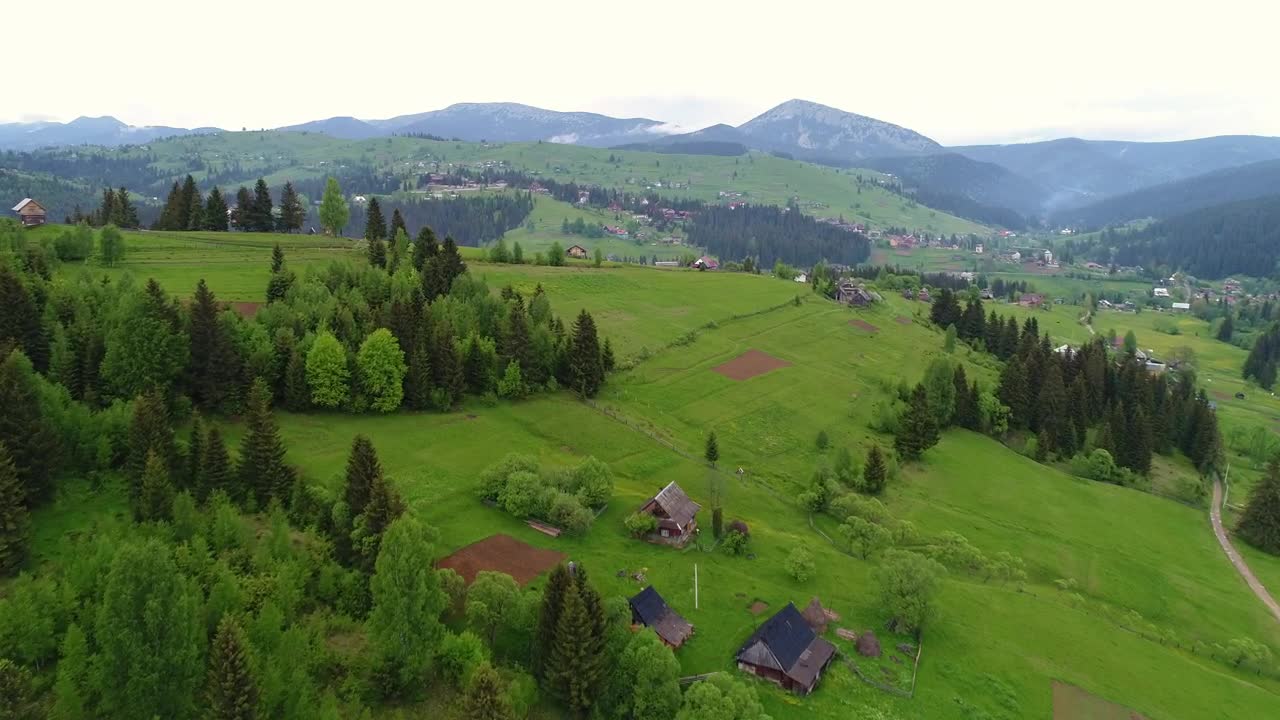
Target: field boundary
x: 1215, y: 520
x: 915, y: 673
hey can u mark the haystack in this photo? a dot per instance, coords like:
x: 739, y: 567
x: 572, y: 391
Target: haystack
x: 815, y: 616
x: 869, y: 645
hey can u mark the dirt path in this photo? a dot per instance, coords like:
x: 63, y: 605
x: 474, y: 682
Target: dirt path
x: 1215, y: 516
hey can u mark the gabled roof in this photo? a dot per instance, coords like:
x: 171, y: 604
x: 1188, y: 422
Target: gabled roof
x: 786, y: 634
x: 654, y: 612
x: 25, y: 202
x: 676, y: 504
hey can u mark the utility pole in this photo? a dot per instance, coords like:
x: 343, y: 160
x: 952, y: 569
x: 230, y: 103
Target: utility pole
x: 695, y: 586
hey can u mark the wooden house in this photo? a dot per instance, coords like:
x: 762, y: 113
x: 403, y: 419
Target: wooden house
x: 851, y: 293
x: 785, y: 650
x: 576, y: 251
x: 676, y: 515
x: 1031, y: 300
x: 706, y: 263
x: 650, y: 610
x: 30, y: 212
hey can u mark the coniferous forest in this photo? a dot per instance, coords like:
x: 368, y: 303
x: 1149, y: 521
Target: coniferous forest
x: 1237, y: 238
x: 771, y: 234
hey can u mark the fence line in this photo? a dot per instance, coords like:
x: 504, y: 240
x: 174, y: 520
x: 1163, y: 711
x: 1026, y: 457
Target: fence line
x: 690, y: 679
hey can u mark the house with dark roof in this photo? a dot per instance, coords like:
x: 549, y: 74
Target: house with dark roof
x: 850, y: 293
x: 650, y: 610
x: 675, y: 513
x: 785, y: 650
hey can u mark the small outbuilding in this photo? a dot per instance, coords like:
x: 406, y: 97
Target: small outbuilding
x: 786, y: 651
x: 30, y: 213
x: 650, y: 610
x: 576, y: 251
x: 706, y: 263
x: 676, y: 515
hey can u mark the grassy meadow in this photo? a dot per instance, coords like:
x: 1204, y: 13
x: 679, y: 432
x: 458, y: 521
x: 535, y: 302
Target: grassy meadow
x: 992, y: 651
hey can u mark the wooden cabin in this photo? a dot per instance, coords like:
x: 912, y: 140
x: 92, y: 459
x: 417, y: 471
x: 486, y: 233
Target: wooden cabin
x: 676, y: 515
x: 785, y: 650
x: 650, y: 610
x: 30, y: 213
x: 576, y: 251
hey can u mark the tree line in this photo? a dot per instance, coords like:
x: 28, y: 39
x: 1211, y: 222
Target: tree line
x: 771, y: 233
x: 1260, y: 365
x: 186, y: 208
x: 471, y: 220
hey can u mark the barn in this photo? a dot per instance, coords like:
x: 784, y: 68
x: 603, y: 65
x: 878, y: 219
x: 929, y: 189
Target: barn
x: 30, y: 212
x: 785, y: 650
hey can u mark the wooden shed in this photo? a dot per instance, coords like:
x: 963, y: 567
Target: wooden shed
x: 30, y: 212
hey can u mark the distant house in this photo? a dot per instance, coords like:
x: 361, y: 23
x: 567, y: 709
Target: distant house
x: 851, y: 293
x: 785, y: 650
x: 650, y: 610
x: 676, y: 515
x: 30, y: 212
x: 1160, y: 292
x: 576, y: 251
x: 801, y: 278
x: 923, y: 295
x: 1182, y: 306
x: 1031, y: 300
x: 985, y: 294
x: 706, y: 263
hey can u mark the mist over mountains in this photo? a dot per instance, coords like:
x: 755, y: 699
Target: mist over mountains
x: 1058, y: 179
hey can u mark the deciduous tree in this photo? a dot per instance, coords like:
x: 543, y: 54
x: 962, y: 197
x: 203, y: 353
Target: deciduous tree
x: 382, y: 370
x: 404, y: 624
x: 334, y: 212
x: 327, y: 373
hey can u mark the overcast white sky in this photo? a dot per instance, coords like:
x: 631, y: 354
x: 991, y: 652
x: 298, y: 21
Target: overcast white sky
x: 959, y: 72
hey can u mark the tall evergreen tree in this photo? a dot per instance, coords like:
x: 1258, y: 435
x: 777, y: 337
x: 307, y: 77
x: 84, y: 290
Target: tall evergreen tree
x: 515, y: 338
x: 149, y: 433
x: 363, y: 469
x: 1226, y: 329
x: 15, y: 524
x: 382, y: 509
x: 263, y: 472
x: 26, y: 431
x: 243, y: 213
x: 397, y: 224
x: 292, y: 212
x: 297, y: 396
x: 451, y: 264
x: 126, y: 215
x: 967, y: 414
x: 1260, y: 522
x: 419, y: 380
x: 1078, y: 404
x: 446, y: 366
x: 21, y: 326
x: 377, y: 253
x: 486, y: 698
x: 195, y: 213
x: 573, y: 668
x: 170, y: 216
x: 187, y: 199
x: 584, y: 357
x: 277, y: 259
x: 215, y: 211
x: 711, y: 451
x: 874, y: 473
x: 558, y: 583
x: 1013, y: 392
x: 193, y: 478
x: 212, y: 363
x: 217, y: 473
x: 107, y: 212
x: 375, y: 226
x: 155, y: 497
x: 262, y: 219
x: 425, y: 247
x: 917, y: 430
x: 232, y: 690
x: 1055, y: 414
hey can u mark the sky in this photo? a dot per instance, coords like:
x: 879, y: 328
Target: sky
x: 960, y: 72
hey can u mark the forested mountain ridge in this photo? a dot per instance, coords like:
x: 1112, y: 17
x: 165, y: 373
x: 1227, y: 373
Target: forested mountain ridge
x: 1182, y: 196
x: 106, y: 131
x: 1236, y: 238
x: 993, y: 192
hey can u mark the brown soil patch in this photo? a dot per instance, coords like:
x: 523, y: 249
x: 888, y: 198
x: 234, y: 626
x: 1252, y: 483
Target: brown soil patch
x: 758, y: 607
x: 864, y: 325
x: 1073, y: 703
x: 502, y: 553
x: 750, y: 364
x: 246, y: 309
x: 902, y: 320
x: 1219, y: 395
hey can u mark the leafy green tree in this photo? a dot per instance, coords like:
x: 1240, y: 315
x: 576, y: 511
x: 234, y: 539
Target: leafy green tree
x: 799, y: 564
x: 147, y: 347
x: 263, y: 473
x: 874, y: 473
x: 864, y: 537
x: 939, y: 385
x: 334, y: 212
x: 155, y: 498
x: 1130, y: 343
x: 511, y: 385
x: 492, y: 601
x: 908, y: 584
x: 382, y: 370
x: 459, y: 655
x: 598, y: 258
x: 292, y: 212
x: 70, y: 689
x: 486, y: 698
x: 26, y: 431
x: 327, y: 373
x: 949, y: 344
x: 232, y: 687
x: 721, y: 697
x: 215, y: 211
x: 652, y: 676
x: 111, y: 246
x: 404, y: 625
x: 148, y: 633
x: 375, y: 226
x: 917, y: 431
x: 15, y: 525
x: 1260, y: 523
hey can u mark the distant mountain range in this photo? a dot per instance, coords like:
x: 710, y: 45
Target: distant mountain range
x: 1042, y: 180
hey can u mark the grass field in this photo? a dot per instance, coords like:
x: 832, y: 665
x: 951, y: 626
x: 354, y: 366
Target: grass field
x: 993, y: 650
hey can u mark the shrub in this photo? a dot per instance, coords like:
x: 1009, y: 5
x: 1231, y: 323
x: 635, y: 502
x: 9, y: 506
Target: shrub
x: 566, y: 512
x: 735, y: 542
x: 639, y: 524
x: 822, y: 442
x: 799, y: 564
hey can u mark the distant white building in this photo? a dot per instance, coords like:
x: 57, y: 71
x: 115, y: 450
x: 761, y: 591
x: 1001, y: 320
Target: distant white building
x: 801, y: 278
x: 1160, y: 292
x: 1182, y: 306
x: 1048, y: 257
x: 977, y: 248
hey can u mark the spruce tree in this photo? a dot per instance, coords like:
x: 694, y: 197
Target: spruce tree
x: 1260, y: 522
x: 711, y: 452
x: 170, y: 216
x: 262, y: 219
x: 243, y: 214
x: 516, y: 345
x: 397, y: 224
x: 232, y: 691
x: 125, y: 213
x: 1056, y: 423
x: 584, y: 357
x: 262, y: 472
x: 1013, y: 392
x: 966, y: 413
x: 874, y: 473
x: 377, y: 253
x: 149, y: 432
x: 15, y: 524
x: 451, y: 264
x: 486, y: 699
x: 418, y: 380
x: 1140, y: 442
x: 375, y: 227
x: 363, y: 469
x: 212, y: 363
x: 215, y: 211
x: 1078, y: 408
x: 558, y: 583
x: 187, y: 198
x: 382, y: 509
x: 917, y: 430
x: 297, y: 396
x: 155, y: 497
x: 217, y: 473
x: 107, y: 213
x: 292, y: 211
x: 30, y: 436
x: 277, y: 259
x: 21, y: 326
x: 425, y: 247
x: 570, y: 663
x: 607, y: 360
x: 446, y: 365
x: 195, y: 213
x: 477, y: 368
x: 193, y: 478
x: 1226, y: 329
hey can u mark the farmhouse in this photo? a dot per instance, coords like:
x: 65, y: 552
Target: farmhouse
x: 849, y: 293
x: 30, y: 212
x: 706, y: 263
x: 785, y: 650
x: 576, y: 251
x: 1031, y: 300
x: 650, y: 610
x: 676, y: 515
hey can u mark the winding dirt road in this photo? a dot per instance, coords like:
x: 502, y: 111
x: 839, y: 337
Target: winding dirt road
x: 1215, y: 516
